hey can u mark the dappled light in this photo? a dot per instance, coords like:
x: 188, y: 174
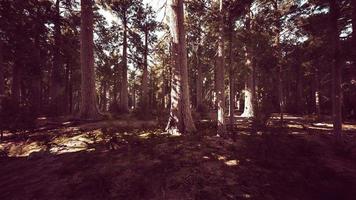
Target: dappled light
x: 177, y: 100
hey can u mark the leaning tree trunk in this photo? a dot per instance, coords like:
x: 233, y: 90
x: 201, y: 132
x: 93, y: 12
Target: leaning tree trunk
x: 220, y: 72
x: 88, y: 107
x: 124, y: 94
x: 336, y: 70
x: 144, y: 97
x: 180, y: 114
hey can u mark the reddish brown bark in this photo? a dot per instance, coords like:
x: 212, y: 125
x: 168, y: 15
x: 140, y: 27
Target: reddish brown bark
x: 88, y: 106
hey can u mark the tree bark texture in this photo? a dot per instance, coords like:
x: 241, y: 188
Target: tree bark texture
x: 88, y: 106
x: 180, y: 119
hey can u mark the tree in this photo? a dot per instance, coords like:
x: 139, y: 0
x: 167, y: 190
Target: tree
x: 249, y: 92
x: 336, y: 69
x: 145, y: 21
x: 125, y: 10
x: 220, y: 74
x: 88, y: 106
x: 180, y: 118
x: 57, y: 82
x: 2, y: 77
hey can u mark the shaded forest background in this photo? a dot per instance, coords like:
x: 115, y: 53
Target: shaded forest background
x: 278, y: 54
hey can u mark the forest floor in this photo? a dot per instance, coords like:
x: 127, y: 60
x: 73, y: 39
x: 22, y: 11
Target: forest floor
x: 105, y: 160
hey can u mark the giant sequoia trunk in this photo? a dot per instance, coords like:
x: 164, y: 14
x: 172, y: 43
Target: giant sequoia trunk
x: 180, y: 114
x: 144, y: 97
x: 336, y: 69
x: 124, y: 94
x: 56, y: 91
x: 88, y: 106
x: 219, y: 76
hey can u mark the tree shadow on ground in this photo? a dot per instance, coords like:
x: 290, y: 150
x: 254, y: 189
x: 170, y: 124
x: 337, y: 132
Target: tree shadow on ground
x: 146, y: 164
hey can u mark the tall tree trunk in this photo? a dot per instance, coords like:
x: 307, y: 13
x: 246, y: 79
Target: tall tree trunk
x: 35, y: 87
x: 336, y: 70
x: 199, y: 81
x: 279, y: 57
x: 16, y: 83
x: 104, y: 99
x: 299, y: 89
x: 88, y: 106
x: 220, y: 75
x: 249, y: 110
x: 144, y: 98
x: 2, y: 77
x: 56, y: 90
x: 124, y: 95
x: 317, y: 92
x: 231, y: 78
x: 353, y: 3
x: 180, y: 114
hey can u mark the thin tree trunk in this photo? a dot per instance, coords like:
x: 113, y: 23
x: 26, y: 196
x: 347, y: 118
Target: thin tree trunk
x: 180, y: 114
x: 249, y: 110
x: 279, y: 64
x: 317, y: 92
x: 124, y: 95
x: 336, y: 70
x: 56, y: 89
x: 16, y: 83
x: 220, y: 72
x: 144, y: 98
x: 2, y: 77
x: 88, y: 106
x: 299, y: 97
x: 231, y: 79
x: 199, y: 81
x: 353, y: 3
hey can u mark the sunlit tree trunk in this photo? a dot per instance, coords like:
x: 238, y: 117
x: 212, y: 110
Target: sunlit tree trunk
x: 180, y: 114
x: 249, y: 95
x: 336, y: 70
x: 88, y: 106
x: 56, y: 89
x: 124, y: 95
x: 144, y: 98
x: 220, y: 72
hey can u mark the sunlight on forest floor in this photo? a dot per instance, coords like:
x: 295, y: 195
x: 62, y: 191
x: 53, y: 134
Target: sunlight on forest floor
x: 83, y: 161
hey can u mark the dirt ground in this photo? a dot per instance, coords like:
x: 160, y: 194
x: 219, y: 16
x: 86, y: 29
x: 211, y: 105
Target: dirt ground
x: 84, y: 161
